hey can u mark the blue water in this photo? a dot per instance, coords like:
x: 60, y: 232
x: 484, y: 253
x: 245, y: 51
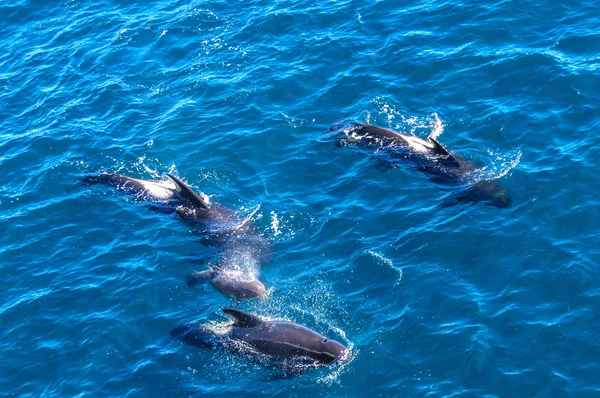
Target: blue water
x: 237, y: 99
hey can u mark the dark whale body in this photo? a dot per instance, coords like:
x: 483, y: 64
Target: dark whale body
x: 243, y: 247
x: 172, y: 195
x: 278, y: 339
x: 430, y: 157
x: 242, y: 285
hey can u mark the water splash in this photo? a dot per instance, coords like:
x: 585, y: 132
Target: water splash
x: 428, y: 126
x: 437, y: 126
x: 248, y: 218
x: 275, y: 224
x: 341, y: 366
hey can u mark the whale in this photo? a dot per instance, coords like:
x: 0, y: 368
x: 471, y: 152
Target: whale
x: 172, y: 195
x: 430, y: 157
x: 276, y: 339
x: 235, y: 283
x: 243, y: 248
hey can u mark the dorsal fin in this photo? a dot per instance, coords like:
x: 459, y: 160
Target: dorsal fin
x: 437, y: 147
x: 243, y: 319
x: 188, y: 194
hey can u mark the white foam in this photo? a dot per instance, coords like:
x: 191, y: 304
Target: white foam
x: 275, y: 224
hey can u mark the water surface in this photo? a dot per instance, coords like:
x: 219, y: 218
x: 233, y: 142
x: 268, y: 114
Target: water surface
x: 237, y: 99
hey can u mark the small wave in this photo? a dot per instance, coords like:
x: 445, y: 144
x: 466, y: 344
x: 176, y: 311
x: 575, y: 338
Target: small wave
x: 500, y: 166
x: 503, y: 164
x: 380, y: 259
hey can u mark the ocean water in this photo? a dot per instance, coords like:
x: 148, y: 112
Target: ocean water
x: 237, y: 99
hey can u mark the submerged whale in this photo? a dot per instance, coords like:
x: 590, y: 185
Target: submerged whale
x: 278, y: 339
x: 430, y: 157
x: 243, y: 247
x: 242, y: 285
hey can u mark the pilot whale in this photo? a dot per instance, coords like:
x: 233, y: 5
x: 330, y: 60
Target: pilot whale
x: 278, y: 339
x: 172, y: 195
x: 239, y: 284
x: 243, y: 247
x: 430, y: 157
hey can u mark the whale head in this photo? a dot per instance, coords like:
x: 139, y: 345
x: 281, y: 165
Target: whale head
x: 491, y: 192
x: 239, y: 284
x: 327, y: 351
x: 313, y: 345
